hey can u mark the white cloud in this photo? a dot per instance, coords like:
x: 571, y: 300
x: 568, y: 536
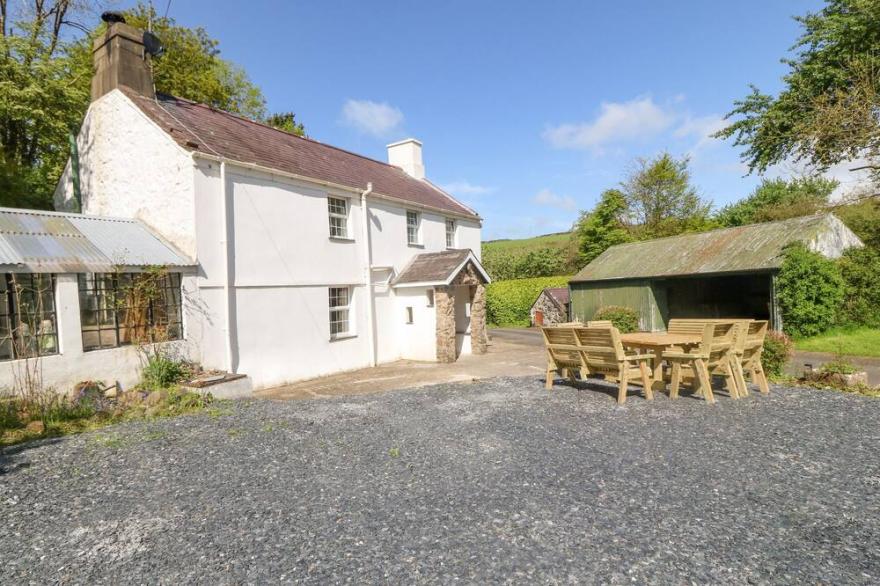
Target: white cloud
x: 466, y: 188
x: 545, y: 197
x: 638, y: 119
x: 701, y: 128
x: 374, y: 118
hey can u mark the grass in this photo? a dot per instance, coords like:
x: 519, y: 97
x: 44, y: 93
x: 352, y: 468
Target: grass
x: 558, y: 240
x: 846, y: 341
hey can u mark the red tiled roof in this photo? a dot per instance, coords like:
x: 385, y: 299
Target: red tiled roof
x: 197, y: 127
x: 558, y: 294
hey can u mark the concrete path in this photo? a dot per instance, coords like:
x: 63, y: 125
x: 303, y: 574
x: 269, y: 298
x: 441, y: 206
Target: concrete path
x: 507, y: 356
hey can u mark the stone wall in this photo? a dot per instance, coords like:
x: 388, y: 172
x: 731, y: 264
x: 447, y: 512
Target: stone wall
x: 552, y: 313
x: 479, y: 337
x: 444, y: 304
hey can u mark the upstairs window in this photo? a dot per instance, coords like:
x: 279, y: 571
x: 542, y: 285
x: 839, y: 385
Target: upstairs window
x: 337, y: 209
x: 412, y: 227
x: 450, y: 233
x: 119, y: 309
x: 340, y: 312
x: 28, y: 323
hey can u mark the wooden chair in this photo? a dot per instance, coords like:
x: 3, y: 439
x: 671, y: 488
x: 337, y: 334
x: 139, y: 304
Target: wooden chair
x: 714, y: 355
x: 735, y: 384
x: 602, y: 353
x: 562, y: 352
x: 749, y: 358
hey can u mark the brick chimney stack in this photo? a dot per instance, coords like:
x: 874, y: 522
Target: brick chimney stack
x: 119, y: 59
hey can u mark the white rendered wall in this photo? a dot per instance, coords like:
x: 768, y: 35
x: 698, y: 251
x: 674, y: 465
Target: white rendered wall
x: 114, y: 365
x: 418, y: 340
x: 131, y: 168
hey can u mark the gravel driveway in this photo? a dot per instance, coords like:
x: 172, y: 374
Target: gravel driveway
x: 492, y: 481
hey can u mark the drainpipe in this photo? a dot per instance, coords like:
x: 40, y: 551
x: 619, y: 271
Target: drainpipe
x: 74, y: 171
x: 368, y: 270
x: 227, y: 276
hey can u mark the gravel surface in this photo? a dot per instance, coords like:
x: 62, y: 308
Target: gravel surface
x: 493, y: 481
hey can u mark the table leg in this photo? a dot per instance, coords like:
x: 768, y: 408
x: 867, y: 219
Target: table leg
x: 659, y: 384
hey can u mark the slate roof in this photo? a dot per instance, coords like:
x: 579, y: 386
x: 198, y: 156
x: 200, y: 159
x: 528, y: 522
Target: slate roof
x: 756, y: 247
x: 52, y: 242
x: 200, y: 128
x: 559, y: 295
x: 436, y: 268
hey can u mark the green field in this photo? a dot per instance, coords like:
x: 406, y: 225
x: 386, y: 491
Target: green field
x: 849, y: 342
x: 558, y: 240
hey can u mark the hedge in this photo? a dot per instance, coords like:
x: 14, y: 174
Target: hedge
x: 810, y: 290
x: 508, y: 302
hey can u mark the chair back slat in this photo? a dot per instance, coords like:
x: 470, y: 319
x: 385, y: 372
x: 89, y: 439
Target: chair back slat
x: 600, y: 347
x: 601, y: 323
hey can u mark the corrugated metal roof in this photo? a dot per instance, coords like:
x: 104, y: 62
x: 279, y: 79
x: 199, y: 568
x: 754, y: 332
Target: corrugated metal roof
x: 52, y: 242
x: 755, y: 247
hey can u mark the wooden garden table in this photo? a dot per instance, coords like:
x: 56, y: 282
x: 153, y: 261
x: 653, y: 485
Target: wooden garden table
x: 657, y: 343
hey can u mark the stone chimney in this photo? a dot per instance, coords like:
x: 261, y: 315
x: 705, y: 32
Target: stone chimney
x: 119, y: 59
x: 407, y: 154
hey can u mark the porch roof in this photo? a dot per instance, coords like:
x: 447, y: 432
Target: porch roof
x: 433, y: 269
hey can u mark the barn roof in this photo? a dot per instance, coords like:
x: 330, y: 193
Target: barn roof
x: 756, y: 247
x: 202, y: 129
x: 51, y: 242
x: 437, y: 268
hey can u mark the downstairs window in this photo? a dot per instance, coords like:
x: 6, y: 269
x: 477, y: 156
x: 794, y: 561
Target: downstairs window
x: 119, y: 309
x: 28, y: 322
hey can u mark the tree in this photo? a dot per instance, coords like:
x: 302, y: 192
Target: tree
x: 190, y: 67
x: 602, y: 228
x: 810, y: 291
x: 863, y: 218
x: 42, y: 100
x: 45, y: 76
x: 778, y: 199
x: 827, y: 110
x: 286, y: 121
x: 661, y: 199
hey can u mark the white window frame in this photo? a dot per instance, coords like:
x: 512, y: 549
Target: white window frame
x: 453, y: 241
x: 414, y: 238
x: 336, y: 215
x: 347, y: 308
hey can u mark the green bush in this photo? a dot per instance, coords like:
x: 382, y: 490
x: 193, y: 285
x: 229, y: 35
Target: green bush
x: 625, y: 319
x: 778, y: 350
x: 540, y: 262
x: 508, y: 302
x: 810, y: 291
x: 860, y: 269
x: 161, y: 372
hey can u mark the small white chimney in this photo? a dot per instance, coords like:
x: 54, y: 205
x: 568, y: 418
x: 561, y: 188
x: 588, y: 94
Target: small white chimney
x: 407, y: 154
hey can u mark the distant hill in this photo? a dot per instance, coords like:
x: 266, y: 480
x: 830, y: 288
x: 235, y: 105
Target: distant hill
x: 554, y: 240
x: 540, y: 256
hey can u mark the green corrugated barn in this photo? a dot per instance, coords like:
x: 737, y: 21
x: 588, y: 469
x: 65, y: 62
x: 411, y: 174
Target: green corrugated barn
x: 722, y: 273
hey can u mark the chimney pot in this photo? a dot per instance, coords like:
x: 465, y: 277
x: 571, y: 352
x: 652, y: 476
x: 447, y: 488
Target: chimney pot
x: 407, y: 154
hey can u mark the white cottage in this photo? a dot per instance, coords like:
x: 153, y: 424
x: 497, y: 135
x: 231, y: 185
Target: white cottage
x: 296, y: 258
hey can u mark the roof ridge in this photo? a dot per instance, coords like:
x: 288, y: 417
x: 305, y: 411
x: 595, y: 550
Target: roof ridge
x: 7, y: 210
x: 284, y: 132
x: 725, y: 229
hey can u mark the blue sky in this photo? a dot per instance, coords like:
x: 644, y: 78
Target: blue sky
x: 527, y: 110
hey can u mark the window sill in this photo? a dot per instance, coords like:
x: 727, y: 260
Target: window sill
x: 340, y: 337
x: 415, y: 244
x: 340, y: 239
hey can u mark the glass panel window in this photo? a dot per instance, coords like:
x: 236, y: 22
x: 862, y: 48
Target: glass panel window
x: 340, y: 311
x: 450, y: 233
x: 412, y: 227
x: 28, y: 324
x: 338, y: 211
x: 430, y: 295
x: 120, y: 309
x: 409, y: 315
